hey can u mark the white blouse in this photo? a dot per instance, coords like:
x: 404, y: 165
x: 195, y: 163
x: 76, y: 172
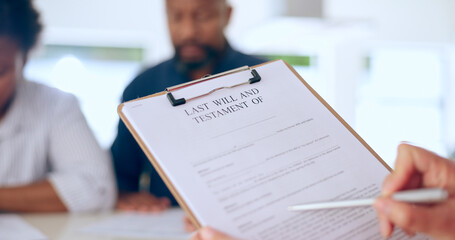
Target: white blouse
x: 44, y: 135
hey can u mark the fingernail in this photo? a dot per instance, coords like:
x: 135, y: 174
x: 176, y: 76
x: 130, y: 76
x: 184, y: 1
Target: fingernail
x: 386, y: 207
x: 207, y: 233
x: 379, y: 205
x: 386, y: 188
x: 382, y: 206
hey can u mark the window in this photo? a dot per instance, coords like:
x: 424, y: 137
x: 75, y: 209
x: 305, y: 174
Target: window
x: 96, y: 75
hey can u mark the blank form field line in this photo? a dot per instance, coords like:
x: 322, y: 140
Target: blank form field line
x: 243, y: 171
x: 240, y: 128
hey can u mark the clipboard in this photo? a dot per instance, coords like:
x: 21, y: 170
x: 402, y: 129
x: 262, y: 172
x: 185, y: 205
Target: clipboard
x: 255, y: 79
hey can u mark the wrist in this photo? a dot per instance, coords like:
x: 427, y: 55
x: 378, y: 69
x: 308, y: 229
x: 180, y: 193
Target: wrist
x: 3, y: 199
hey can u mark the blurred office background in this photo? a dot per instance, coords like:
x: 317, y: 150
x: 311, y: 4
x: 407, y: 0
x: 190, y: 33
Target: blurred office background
x: 387, y: 66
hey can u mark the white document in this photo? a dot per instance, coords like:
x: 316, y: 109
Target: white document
x: 239, y: 157
x: 12, y: 227
x: 166, y: 225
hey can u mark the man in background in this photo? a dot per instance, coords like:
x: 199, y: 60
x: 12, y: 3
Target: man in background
x: 197, y: 32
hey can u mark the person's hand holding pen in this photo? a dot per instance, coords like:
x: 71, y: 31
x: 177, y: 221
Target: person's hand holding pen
x: 418, y: 168
x: 415, y: 168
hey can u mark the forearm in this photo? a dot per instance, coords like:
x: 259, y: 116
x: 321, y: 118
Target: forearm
x: 36, y: 197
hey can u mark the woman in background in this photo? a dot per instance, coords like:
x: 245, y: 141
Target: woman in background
x: 49, y: 158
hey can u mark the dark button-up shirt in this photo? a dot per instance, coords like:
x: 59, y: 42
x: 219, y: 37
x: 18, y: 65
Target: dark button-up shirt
x: 129, y: 160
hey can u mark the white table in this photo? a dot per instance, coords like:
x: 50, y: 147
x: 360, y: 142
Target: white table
x: 64, y: 226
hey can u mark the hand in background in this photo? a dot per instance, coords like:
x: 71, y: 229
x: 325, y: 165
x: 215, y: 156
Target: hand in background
x: 189, y: 226
x: 208, y: 233
x: 142, y: 202
x: 418, y: 168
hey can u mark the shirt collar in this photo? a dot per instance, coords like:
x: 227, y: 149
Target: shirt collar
x: 225, y: 62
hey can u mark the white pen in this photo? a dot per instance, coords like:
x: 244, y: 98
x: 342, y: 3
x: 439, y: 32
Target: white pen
x: 424, y: 195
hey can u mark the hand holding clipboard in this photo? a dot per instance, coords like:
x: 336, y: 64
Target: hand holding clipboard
x: 235, y: 152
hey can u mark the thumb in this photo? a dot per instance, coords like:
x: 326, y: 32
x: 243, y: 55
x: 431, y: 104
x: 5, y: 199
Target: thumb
x: 409, y: 217
x: 208, y: 233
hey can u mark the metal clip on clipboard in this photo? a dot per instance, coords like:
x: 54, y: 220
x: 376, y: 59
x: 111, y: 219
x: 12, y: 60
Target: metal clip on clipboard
x: 180, y: 101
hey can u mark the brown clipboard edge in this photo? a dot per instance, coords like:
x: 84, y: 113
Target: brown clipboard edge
x: 345, y: 124
x: 155, y: 164
x: 169, y: 183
